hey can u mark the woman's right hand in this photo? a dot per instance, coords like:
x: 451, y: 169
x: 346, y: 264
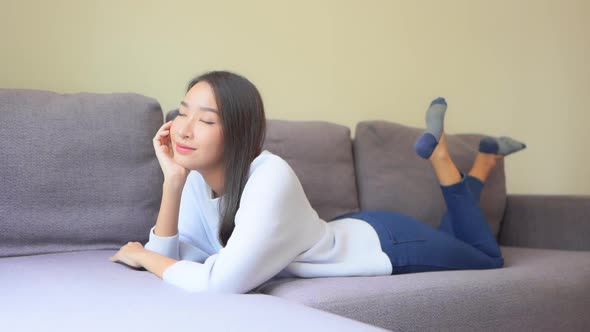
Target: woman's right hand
x: 165, y: 154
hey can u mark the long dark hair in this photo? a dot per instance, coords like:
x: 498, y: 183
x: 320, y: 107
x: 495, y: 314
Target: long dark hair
x: 244, y: 129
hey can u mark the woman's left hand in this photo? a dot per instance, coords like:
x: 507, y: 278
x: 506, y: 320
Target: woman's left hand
x: 130, y: 254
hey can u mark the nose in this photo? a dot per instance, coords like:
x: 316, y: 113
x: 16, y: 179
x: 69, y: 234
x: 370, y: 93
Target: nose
x: 183, y: 130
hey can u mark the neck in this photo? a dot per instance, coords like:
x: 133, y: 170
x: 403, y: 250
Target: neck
x: 215, y: 180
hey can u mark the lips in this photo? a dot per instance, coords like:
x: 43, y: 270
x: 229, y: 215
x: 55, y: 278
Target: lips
x: 184, y: 147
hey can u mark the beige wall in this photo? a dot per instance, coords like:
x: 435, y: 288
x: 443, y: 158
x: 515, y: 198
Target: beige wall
x: 517, y: 68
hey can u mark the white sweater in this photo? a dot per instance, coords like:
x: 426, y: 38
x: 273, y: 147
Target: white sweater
x: 277, y: 234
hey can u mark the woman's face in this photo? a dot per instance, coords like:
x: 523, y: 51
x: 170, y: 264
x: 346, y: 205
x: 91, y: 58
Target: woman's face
x: 198, y: 126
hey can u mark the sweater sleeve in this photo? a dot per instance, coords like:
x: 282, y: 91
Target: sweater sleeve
x: 174, y: 247
x: 270, y: 232
x: 177, y: 246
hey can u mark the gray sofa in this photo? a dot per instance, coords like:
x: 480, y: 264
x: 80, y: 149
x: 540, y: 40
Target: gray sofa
x: 80, y: 179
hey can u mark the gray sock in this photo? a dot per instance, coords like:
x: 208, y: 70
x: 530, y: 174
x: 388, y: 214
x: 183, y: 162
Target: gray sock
x: 500, y: 145
x: 435, y: 117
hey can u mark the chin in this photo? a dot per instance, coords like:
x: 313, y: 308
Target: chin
x: 190, y: 165
x: 183, y: 162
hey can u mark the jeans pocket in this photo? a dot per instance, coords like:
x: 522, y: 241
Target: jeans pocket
x: 406, y: 241
x: 404, y: 238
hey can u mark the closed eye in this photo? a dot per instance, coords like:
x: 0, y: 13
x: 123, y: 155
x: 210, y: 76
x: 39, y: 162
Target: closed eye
x: 208, y: 122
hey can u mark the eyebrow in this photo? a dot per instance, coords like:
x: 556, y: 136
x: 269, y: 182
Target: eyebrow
x: 202, y: 108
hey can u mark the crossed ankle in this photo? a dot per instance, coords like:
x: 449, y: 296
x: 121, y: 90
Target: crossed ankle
x: 488, y: 159
x: 439, y: 154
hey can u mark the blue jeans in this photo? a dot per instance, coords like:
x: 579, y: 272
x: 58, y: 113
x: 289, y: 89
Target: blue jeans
x: 463, y: 240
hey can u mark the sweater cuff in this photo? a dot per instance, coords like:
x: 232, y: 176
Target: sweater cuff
x: 163, y: 245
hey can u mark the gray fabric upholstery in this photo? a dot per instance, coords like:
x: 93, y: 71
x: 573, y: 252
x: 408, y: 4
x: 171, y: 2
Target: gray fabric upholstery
x: 79, y: 173
x: 84, y: 291
x: 171, y: 115
x: 547, y: 221
x: 78, y: 170
x: 540, y: 290
x: 320, y: 153
x: 391, y: 176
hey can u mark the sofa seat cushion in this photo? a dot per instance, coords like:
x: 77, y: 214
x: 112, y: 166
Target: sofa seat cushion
x: 536, y: 287
x: 84, y: 291
x: 391, y: 176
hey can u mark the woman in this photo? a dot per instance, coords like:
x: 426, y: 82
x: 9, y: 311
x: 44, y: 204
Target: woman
x: 242, y: 218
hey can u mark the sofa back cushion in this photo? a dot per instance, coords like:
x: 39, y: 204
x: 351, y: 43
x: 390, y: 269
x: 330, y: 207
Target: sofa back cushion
x: 78, y: 170
x: 320, y: 153
x: 391, y: 176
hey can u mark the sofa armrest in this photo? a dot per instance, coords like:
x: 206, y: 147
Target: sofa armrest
x: 546, y: 221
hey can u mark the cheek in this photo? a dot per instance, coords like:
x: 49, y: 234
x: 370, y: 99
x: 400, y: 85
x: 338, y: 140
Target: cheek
x: 219, y: 139
x: 173, y: 130
x: 215, y: 143
x: 209, y: 137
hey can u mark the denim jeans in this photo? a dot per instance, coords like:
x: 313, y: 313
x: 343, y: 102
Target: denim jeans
x: 463, y: 240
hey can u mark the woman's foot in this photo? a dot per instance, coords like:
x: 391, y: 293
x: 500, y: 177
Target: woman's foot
x: 435, y: 116
x: 502, y: 145
x: 492, y: 149
x: 443, y: 165
x: 432, y: 144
